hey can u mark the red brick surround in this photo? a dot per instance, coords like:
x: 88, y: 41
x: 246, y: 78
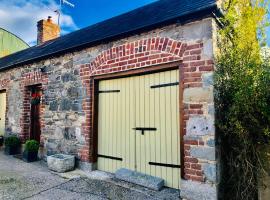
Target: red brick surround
x: 140, y: 54
x: 28, y: 80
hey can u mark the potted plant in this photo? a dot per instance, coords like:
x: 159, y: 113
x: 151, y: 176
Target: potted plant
x: 12, y: 144
x: 35, y: 99
x: 30, y: 153
x: 1, y: 141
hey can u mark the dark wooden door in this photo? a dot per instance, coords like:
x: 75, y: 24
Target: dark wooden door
x: 35, y: 114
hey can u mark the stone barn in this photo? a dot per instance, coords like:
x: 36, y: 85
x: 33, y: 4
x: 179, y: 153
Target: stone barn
x: 134, y: 91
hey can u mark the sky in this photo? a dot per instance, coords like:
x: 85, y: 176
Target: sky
x: 20, y: 16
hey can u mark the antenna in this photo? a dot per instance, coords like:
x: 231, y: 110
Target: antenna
x: 68, y: 3
x: 58, y: 11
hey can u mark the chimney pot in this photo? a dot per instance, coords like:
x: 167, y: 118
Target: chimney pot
x: 47, y: 30
x: 49, y: 19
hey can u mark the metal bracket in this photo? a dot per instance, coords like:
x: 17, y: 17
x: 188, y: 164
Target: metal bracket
x: 144, y: 129
x: 164, y: 165
x: 164, y: 85
x: 108, y: 91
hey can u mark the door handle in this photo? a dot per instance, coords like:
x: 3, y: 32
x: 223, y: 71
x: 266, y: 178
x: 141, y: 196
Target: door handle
x: 144, y: 129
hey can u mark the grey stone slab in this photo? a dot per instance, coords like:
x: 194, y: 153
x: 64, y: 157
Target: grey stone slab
x: 208, y: 79
x: 211, y: 110
x: 193, y: 137
x: 199, y: 95
x: 200, y: 126
x: 148, y: 181
x: 85, y: 166
x: 211, y: 142
x: 206, y: 153
x: 210, y: 172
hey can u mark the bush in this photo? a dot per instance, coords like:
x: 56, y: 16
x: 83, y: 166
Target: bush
x: 242, y: 99
x: 12, y: 141
x: 31, y: 146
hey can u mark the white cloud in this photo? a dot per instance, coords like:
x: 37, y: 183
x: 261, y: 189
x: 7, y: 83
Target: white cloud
x: 21, y: 16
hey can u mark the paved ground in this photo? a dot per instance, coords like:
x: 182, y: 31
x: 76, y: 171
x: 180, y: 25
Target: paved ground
x: 20, y: 180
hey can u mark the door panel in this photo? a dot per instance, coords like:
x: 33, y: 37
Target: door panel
x: 35, y: 126
x: 2, y: 112
x: 159, y: 108
x: 149, y: 103
x: 115, y: 133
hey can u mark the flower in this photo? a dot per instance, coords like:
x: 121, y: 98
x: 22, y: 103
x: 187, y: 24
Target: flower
x: 35, y: 98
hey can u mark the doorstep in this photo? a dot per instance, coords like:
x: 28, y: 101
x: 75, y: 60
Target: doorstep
x: 138, y: 178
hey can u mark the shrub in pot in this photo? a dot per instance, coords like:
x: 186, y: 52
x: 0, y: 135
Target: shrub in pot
x: 12, y: 144
x: 30, y: 153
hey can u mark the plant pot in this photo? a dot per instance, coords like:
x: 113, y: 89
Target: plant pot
x: 30, y: 156
x: 11, y: 150
x: 1, y: 140
x: 61, y: 162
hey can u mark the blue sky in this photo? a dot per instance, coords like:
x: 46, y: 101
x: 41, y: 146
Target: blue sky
x: 88, y: 12
x: 21, y: 16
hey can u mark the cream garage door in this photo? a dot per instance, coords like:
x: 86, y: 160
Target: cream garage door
x: 2, y: 113
x: 138, y: 125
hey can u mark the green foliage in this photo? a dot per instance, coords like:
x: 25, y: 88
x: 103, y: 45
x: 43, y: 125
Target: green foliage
x: 242, y: 98
x: 31, y: 146
x: 12, y: 141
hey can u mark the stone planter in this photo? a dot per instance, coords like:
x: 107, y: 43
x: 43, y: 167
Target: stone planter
x: 61, y: 163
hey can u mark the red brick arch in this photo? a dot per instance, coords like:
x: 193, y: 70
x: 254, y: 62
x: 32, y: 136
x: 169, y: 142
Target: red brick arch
x: 141, y: 53
x: 146, y: 53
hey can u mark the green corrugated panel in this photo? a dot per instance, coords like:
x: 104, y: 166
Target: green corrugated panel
x: 10, y: 43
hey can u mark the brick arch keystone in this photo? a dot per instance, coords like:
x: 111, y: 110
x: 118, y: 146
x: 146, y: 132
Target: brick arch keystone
x: 141, y: 53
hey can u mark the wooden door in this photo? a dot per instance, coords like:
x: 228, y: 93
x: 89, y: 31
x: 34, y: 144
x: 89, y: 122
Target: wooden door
x: 2, y: 113
x: 139, y: 125
x: 157, y: 123
x: 35, y: 131
x: 115, y: 122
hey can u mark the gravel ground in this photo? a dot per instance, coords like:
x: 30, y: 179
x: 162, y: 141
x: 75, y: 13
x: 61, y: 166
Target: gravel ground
x: 33, y: 181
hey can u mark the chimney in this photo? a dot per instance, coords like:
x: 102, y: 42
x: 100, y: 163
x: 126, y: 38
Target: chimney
x: 47, y: 30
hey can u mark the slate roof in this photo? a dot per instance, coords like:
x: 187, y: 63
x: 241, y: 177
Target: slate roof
x: 144, y: 18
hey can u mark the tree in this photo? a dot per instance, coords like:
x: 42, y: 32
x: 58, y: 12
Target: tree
x: 242, y: 97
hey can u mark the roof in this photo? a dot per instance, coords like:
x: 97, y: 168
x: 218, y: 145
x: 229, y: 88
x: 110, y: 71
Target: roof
x: 16, y: 36
x: 140, y: 19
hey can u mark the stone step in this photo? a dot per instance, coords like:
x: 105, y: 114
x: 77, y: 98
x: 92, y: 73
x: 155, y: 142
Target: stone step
x: 138, y: 178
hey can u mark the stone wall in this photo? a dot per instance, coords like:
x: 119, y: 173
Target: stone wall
x: 68, y: 96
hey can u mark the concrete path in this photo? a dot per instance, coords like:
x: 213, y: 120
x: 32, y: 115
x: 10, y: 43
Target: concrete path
x: 33, y: 181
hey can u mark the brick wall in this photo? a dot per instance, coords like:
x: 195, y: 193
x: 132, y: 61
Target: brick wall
x: 47, y: 30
